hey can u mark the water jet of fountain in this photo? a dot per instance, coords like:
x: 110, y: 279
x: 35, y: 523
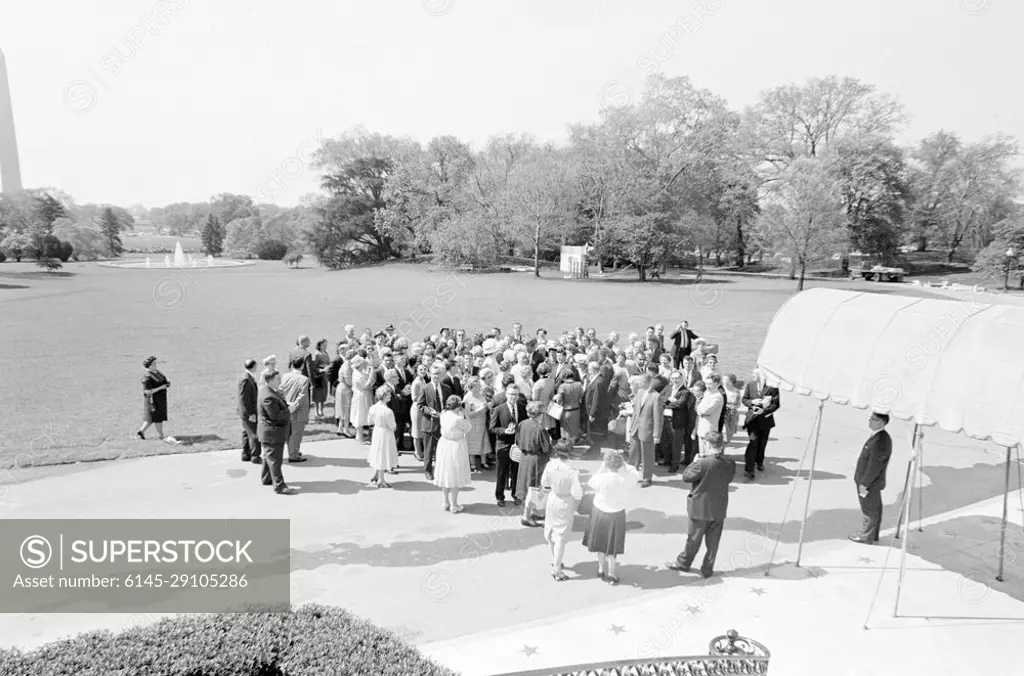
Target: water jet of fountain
x: 167, y: 261
x: 179, y: 255
x: 147, y: 261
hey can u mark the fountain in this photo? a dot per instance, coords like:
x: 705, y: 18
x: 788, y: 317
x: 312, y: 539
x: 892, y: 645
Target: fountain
x: 179, y: 255
x: 179, y: 261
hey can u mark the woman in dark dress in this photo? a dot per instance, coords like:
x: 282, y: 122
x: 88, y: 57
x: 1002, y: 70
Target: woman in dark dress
x: 534, y: 444
x: 154, y: 400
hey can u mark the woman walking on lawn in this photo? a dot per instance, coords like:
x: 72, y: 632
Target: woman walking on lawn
x: 154, y: 401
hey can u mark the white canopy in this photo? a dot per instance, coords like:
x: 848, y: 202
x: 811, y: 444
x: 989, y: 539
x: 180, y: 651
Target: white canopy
x: 958, y: 365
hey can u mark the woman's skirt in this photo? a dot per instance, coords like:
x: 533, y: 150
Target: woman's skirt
x: 318, y: 391
x: 343, y: 402
x: 605, y: 533
x: 360, y: 409
x: 416, y: 422
x: 558, y: 515
x: 571, y: 424
x: 531, y: 468
x: 451, y: 466
x: 732, y: 417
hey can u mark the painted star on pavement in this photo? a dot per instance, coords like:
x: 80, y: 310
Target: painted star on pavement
x: 529, y: 650
x: 949, y: 533
x: 692, y: 608
x: 759, y: 591
x: 864, y: 559
x: 814, y: 573
x: 617, y: 629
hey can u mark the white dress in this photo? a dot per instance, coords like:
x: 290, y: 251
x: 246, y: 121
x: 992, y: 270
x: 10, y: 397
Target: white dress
x: 383, y: 450
x: 451, y: 464
x: 361, y: 398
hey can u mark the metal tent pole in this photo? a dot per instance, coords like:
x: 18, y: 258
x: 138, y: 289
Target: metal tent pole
x: 920, y: 477
x: 810, y: 481
x: 903, y: 552
x: 1006, y: 506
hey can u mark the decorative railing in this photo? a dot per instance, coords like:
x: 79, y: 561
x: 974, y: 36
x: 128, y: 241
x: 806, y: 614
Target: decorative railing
x: 729, y: 654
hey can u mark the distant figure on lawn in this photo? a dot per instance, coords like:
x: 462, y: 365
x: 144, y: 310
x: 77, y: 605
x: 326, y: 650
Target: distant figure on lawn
x: 154, y: 400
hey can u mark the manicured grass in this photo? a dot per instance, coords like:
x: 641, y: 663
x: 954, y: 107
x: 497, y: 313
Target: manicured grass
x: 162, y: 242
x: 73, y: 343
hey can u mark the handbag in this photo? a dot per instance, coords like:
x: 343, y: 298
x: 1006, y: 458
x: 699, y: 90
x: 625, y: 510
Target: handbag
x: 514, y: 454
x: 537, y: 498
x: 555, y: 411
x: 617, y: 426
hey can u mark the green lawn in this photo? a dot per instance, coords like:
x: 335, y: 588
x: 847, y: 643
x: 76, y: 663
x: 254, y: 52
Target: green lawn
x: 73, y: 342
x: 145, y: 241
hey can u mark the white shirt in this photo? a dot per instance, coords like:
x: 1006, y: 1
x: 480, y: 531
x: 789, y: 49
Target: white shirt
x: 612, y: 489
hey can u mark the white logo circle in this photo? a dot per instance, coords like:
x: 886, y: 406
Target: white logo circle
x: 36, y: 552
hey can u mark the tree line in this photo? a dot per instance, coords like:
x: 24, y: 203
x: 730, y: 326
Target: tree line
x: 808, y: 173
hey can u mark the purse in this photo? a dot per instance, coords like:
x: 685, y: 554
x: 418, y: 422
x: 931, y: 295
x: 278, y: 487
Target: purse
x: 537, y: 498
x: 617, y: 426
x: 555, y: 411
x: 514, y: 454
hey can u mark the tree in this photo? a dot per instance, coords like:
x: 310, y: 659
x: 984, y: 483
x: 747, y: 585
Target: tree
x: 85, y: 238
x: 49, y: 264
x: 1005, y: 254
x: 48, y: 209
x: 960, y: 191
x: 226, y: 207
x: 542, y: 199
x: 871, y: 178
x: 111, y: 226
x: 243, y: 236
x: 17, y: 245
x: 803, y: 216
x: 213, y: 236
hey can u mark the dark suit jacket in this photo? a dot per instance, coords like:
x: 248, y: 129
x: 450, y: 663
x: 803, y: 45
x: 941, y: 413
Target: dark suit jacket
x: 273, y: 418
x: 751, y: 392
x: 501, y: 417
x: 681, y: 347
x: 248, y: 390
x: 598, y: 402
x: 683, y: 406
x: 691, y: 376
x: 428, y: 398
x: 709, y: 497
x: 873, y: 461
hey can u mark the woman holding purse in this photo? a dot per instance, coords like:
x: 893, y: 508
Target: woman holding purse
x: 564, y: 494
x: 534, y: 444
x: 154, y: 395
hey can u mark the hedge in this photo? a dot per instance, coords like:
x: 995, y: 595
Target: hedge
x: 308, y: 641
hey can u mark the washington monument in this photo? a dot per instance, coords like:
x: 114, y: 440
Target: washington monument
x: 10, y: 169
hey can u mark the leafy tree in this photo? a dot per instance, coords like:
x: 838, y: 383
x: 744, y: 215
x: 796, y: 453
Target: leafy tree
x: 871, y: 178
x: 49, y: 264
x: 226, y: 207
x: 243, y: 237
x: 293, y: 259
x: 85, y: 238
x: 542, y: 197
x: 803, y: 216
x: 271, y: 250
x: 17, y: 245
x: 1005, y: 254
x: 111, y: 226
x: 48, y: 209
x: 213, y: 236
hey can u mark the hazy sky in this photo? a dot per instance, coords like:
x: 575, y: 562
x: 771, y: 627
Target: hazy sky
x: 136, y: 101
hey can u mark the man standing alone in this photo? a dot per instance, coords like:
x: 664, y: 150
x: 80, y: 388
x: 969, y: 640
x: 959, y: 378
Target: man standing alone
x: 272, y: 430
x: 706, y: 504
x: 248, y: 392
x: 870, y: 477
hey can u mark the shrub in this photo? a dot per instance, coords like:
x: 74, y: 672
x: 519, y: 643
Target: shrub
x: 3, y: 256
x: 293, y: 258
x: 49, y: 264
x: 271, y: 250
x: 309, y: 641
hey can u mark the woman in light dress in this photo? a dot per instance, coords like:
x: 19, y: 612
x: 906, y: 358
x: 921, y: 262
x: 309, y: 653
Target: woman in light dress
x: 451, y: 467
x: 606, y: 530
x: 343, y: 396
x: 565, y: 493
x: 477, y: 413
x: 416, y: 415
x: 383, y: 449
x: 362, y: 381
x: 733, y: 395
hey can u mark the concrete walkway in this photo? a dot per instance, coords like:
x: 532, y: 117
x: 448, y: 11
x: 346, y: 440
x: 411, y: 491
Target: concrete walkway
x: 473, y: 589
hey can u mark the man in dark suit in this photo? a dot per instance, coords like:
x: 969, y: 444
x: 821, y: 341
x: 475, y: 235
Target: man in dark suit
x: 432, y: 399
x: 680, y: 407
x: 691, y: 373
x: 870, y: 477
x: 505, y: 417
x: 762, y: 402
x: 248, y: 391
x: 706, y: 504
x: 272, y: 427
x: 597, y: 402
x: 682, y: 342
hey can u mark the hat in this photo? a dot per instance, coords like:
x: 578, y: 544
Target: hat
x: 389, y: 327
x: 580, y: 358
x: 148, y: 361
x: 477, y: 350
x: 490, y: 346
x: 357, y: 361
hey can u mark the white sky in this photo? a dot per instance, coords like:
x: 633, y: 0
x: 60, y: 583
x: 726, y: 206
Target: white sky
x: 227, y: 90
